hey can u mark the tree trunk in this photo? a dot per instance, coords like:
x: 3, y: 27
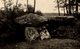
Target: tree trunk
x: 16, y: 3
x: 27, y: 3
x: 5, y: 4
x: 69, y: 7
x: 76, y: 6
x: 58, y: 7
x: 34, y: 5
x: 64, y: 7
x: 64, y: 11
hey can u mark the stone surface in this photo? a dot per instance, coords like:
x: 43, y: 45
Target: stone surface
x: 31, y: 33
x: 44, y: 34
x: 30, y: 19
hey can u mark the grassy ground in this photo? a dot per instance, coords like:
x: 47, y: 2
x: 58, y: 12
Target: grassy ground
x: 44, y: 44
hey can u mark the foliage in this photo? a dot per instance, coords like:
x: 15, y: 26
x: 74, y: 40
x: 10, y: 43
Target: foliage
x: 68, y: 6
x: 8, y: 15
x: 39, y: 13
x: 30, y: 9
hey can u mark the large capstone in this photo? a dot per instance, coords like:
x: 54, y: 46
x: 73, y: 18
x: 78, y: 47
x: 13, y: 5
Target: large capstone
x: 32, y: 19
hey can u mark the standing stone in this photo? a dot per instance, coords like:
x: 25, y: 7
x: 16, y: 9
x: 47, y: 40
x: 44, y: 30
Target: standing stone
x: 45, y: 34
x: 31, y: 33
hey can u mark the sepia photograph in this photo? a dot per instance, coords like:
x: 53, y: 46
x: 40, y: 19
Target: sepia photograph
x: 39, y: 24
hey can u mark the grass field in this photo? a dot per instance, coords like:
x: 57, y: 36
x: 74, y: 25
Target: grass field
x: 44, y: 44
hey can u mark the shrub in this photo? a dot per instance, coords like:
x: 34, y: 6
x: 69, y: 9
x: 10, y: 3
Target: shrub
x: 39, y: 13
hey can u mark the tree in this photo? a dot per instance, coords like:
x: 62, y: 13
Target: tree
x: 39, y: 13
x: 58, y: 7
x: 64, y: 8
x: 69, y: 6
x: 16, y: 2
x: 76, y: 6
x: 30, y: 9
x: 5, y: 7
x: 61, y: 4
x: 27, y: 3
x: 34, y: 5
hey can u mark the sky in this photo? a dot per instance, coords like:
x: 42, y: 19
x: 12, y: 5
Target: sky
x: 45, y: 6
